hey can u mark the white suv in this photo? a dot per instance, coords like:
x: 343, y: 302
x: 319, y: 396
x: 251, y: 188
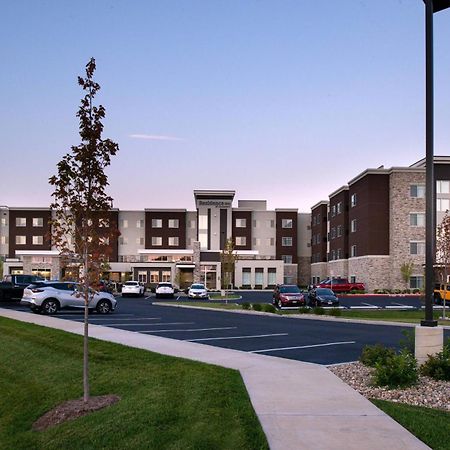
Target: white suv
x: 132, y: 288
x: 164, y: 290
x: 49, y: 297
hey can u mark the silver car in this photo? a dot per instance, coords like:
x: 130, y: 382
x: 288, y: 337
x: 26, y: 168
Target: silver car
x: 49, y: 297
x: 198, y: 290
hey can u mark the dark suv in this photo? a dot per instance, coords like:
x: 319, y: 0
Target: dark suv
x: 12, y: 286
x: 288, y: 295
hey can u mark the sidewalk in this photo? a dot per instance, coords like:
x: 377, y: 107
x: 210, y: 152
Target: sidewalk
x: 301, y: 406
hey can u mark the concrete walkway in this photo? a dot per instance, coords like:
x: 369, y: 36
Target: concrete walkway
x: 301, y: 406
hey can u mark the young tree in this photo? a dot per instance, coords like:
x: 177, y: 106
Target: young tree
x: 443, y: 253
x: 81, y: 227
x: 406, y: 270
x: 228, y: 258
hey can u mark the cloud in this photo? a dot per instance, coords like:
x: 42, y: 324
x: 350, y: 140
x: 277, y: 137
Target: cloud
x: 155, y: 137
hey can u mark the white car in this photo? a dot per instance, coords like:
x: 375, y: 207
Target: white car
x: 50, y: 297
x: 132, y: 288
x: 198, y: 291
x: 164, y: 290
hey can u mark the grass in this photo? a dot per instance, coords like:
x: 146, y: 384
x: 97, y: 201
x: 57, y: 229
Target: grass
x: 166, y: 402
x: 225, y: 297
x: 409, y: 316
x: 209, y: 305
x: 431, y: 426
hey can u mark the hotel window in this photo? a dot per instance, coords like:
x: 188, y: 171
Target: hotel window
x: 287, y: 259
x: 417, y: 191
x: 417, y: 219
x: 417, y: 247
x: 142, y: 276
x: 140, y: 241
x: 270, y: 223
x: 270, y: 242
x: 38, y: 222
x: 339, y: 254
x: 339, y: 207
x: 154, y: 276
x: 333, y: 255
x: 3, y: 222
x: 286, y: 223
x: 103, y: 223
x: 140, y: 223
x: 21, y: 222
x: 246, y: 276
x: 3, y: 240
x: 353, y: 200
x: 339, y: 230
x: 156, y: 240
x: 174, y: 223
x: 352, y: 278
x: 443, y: 187
x: 38, y: 240
x: 173, y: 241
x: 259, y: 276
x: 156, y: 223
x: 256, y: 242
x: 124, y: 223
x: 189, y: 242
x: 353, y: 225
x: 241, y: 240
x: 442, y: 204
x: 271, y: 276
x: 21, y: 240
x: 123, y: 240
x: 166, y: 275
x: 416, y: 282
x: 241, y: 223
x: 286, y: 241
x: 333, y: 210
x: 353, y: 251
x: 333, y: 233
x: 256, y: 223
x: 192, y: 224
x: 203, y: 230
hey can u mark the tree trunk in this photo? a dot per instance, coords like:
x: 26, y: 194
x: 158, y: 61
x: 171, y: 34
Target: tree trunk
x: 86, y: 332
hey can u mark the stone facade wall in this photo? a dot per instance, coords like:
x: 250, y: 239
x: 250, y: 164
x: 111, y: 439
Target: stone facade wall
x: 400, y: 230
x: 338, y: 268
x: 304, y: 270
x: 196, y: 261
x: 319, y: 270
x: 51, y: 262
x: 373, y: 271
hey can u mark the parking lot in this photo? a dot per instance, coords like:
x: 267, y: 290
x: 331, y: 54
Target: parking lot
x: 317, y: 341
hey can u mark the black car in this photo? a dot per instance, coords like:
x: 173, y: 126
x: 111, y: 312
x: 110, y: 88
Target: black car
x: 12, y: 286
x: 322, y: 297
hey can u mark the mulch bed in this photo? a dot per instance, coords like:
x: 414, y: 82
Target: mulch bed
x: 72, y: 409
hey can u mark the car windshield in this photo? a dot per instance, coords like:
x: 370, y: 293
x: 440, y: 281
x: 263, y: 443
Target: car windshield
x: 197, y: 286
x: 324, y: 292
x: 290, y: 290
x: 131, y: 283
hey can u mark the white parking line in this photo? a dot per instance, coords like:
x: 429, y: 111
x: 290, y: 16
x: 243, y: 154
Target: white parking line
x: 190, y: 329
x: 236, y: 337
x: 146, y: 298
x: 366, y: 306
x: 302, y: 346
x: 399, y: 304
x: 82, y: 312
x: 150, y: 324
x: 106, y: 319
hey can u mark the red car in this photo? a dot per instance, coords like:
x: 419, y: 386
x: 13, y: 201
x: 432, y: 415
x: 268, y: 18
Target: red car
x: 288, y: 295
x: 339, y: 285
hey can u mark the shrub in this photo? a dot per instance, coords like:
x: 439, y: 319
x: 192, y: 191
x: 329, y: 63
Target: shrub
x: 416, y: 291
x: 256, y: 307
x: 335, y: 312
x: 397, y: 371
x: 373, y: 354
x: 437, y: 366
x: 304, y: 310
x: 269, y: 308
x: 319, y: 311
x: 245, y: 305
x: 357, y: 291
x: 258, y: 286
x: 408, y: 342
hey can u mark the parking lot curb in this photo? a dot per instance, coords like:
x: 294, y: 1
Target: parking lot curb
x: 310, y: 409
x: 300, y: 316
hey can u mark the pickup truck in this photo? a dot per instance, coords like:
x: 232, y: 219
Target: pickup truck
x: 340, y: 285
x: 12, y: 286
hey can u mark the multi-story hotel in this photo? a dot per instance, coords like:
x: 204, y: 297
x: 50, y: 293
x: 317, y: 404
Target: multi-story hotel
x: 374, y: 224
x: 177, y: 245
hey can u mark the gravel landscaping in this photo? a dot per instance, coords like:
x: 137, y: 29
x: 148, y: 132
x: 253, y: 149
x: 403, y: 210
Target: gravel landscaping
x: 428, y: 392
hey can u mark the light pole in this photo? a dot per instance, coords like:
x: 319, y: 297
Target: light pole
x: 431, y: 7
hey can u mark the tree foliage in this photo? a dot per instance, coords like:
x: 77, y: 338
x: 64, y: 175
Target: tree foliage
x: 406, y: 270
x: 81, y: 225
x: 228, y: 258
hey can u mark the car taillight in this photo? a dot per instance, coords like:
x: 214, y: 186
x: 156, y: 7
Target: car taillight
x: 37, y: 290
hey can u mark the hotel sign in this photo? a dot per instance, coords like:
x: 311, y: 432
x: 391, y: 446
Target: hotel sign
x: 215, y: 203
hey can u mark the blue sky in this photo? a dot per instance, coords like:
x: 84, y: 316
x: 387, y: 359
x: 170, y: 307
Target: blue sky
x: 279, y: 100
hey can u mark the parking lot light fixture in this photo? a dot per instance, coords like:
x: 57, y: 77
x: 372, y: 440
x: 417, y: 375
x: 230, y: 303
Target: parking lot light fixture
x: 431, y: 7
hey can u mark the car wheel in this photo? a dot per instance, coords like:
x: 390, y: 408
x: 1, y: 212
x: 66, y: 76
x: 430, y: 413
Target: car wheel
x: 103, y: 307
x: 280, y: 305
x: 36, y: 310
x: 50, y: 306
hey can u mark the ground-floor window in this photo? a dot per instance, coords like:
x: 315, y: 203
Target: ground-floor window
x: 352, y: 279
x: 166, y: 275
x: 154, y: 276
x: 142, y: 276
x: 416, y: 282
x: 288, y: 280
x: 246, y: 276
x: 259, y: 276
x: 272, y: 276
x: 44, y: 273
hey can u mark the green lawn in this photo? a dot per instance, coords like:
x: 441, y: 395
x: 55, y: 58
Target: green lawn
x: 431, y: 426
x: 392, y: 315
x: 166, y: 403
x: 227, y: 297
x: 207, y: 304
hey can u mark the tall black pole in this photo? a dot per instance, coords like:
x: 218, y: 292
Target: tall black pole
x: 430, y: 206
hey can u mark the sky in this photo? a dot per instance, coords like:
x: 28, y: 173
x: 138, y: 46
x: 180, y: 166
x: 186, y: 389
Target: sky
x: 283, y: 100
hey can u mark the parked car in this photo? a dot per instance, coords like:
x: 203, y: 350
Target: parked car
x: 198, y: 291
x: 322, y: 297
x: 341, y: 285
x: 132, y: 288
x: 164, y: 290
x: 12, y: 286
x: 50, y: 297
x: 442, y: 291
x: 288, y: 295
